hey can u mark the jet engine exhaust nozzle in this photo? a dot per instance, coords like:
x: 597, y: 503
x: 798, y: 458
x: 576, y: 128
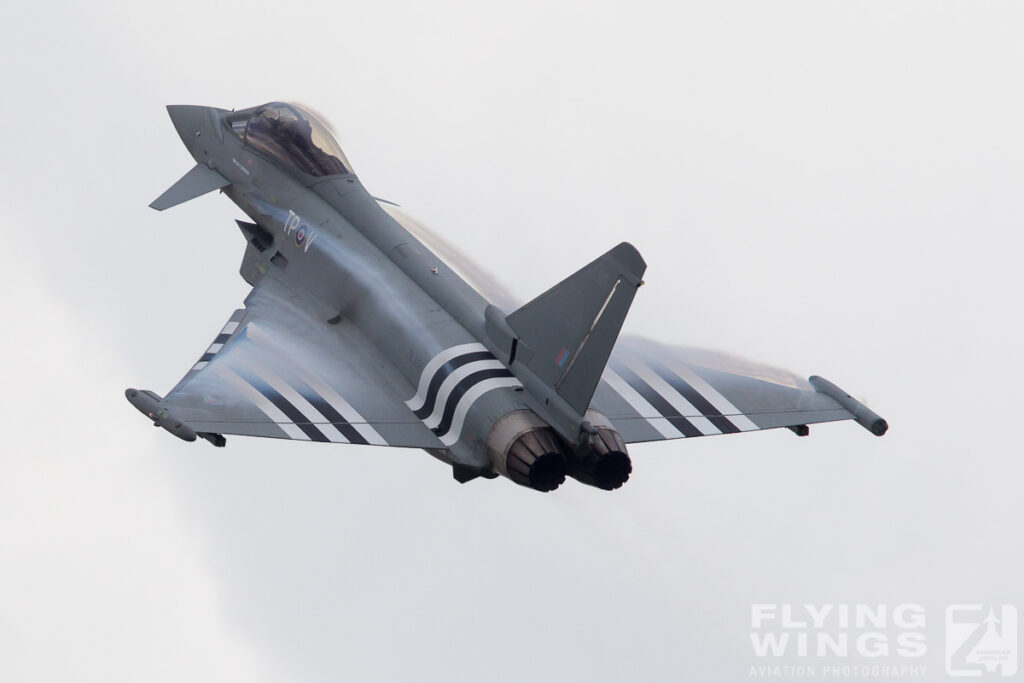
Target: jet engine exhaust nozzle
x: 606, y: 465
x: 525, y: 449
x: 534, y: 461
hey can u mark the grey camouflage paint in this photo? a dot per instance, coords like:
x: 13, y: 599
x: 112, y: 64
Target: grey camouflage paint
x: 356, y: 331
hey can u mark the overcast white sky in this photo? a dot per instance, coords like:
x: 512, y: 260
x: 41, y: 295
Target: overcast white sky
x: 830, y: 187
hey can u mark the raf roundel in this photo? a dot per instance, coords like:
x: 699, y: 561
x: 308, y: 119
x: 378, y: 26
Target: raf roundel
x: 300, y: 235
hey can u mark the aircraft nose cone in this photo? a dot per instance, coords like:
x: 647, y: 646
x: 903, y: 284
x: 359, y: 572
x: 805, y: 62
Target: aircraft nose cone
x: 188, y: 120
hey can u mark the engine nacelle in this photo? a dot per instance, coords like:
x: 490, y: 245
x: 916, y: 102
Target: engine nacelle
x: 525, y: 449
x: 605, y: 464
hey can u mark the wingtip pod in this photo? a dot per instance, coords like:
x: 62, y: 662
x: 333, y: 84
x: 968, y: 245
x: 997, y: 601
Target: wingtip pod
x: 152, y: 406
x: 864, y: 416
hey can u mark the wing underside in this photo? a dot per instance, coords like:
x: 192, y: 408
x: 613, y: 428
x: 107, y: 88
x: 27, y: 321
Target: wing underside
x: 652, y: 392
x: 277, y: 369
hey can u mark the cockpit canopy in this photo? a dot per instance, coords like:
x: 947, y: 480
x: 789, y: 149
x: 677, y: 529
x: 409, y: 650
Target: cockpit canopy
x: 292, y: 137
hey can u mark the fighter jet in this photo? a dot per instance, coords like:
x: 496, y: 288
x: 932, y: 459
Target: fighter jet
x: 356, y: 331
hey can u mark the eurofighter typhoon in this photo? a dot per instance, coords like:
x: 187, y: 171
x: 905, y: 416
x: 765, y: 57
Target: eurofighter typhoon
x: 357, y: 332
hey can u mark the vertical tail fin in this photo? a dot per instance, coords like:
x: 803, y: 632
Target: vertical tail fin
x: 566, y: 334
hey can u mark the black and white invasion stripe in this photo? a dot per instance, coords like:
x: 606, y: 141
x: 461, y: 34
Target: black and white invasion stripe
x: 676, y: 402
x: 299, y: 403
x: 314, y: 400
x: 451, y: 382
x: 222, y: 338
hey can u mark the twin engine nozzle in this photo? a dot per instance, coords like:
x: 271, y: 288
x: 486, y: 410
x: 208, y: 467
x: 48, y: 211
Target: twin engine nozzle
x: 525, y: 449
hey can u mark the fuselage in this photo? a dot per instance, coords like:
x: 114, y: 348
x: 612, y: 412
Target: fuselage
x: 333, y: 241
x: 536, y: 394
